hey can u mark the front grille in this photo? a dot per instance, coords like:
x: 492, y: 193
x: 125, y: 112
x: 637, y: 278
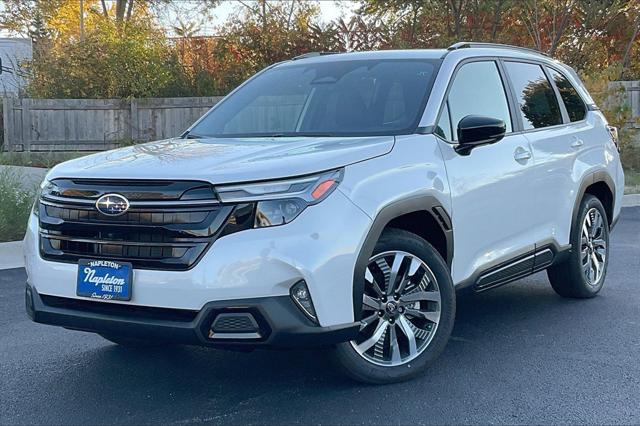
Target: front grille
x: 169, y: 225
x: 132, y: 218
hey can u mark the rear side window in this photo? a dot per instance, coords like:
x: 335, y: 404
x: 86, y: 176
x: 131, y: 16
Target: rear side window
x: 537, y: 101
x: 572, y: 100
x: 477, y: 90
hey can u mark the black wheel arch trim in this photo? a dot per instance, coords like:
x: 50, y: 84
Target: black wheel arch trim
x: 421, y: 203
x: 587, y: 181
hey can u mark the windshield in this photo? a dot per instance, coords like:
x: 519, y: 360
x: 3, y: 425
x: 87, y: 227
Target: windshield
x: 341, y: 98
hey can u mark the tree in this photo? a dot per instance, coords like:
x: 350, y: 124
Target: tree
x: 186, y: 29
x: 635, y: 35
x: 29, y: 18
x: 126, y: 52
x: 122, y: 10
x: 546, y: 21
x: 111, y: 62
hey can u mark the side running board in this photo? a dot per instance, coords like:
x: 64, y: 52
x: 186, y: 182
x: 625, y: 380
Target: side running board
x: 515, y: 269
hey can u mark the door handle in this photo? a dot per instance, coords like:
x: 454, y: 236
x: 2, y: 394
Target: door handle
x: 521, y: 155
x: 577, y: 143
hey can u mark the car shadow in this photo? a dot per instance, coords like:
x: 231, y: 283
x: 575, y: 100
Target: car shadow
x: 494, y: 313
x: 496, y: 333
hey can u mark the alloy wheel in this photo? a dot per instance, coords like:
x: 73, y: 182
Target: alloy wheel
x: 593, y: 247
x: 401, y: 308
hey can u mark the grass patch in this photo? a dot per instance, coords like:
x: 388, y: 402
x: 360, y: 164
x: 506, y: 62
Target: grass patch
x: 631, y: 181
x: 16, y: 201
x: 38, y: 159
x: 630, y: 157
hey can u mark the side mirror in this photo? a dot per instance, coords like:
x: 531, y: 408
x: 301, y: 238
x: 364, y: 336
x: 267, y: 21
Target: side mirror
x: 476, y: 130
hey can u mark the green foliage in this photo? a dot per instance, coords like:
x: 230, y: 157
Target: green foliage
x: 610, y: 97
x: 632, y: 181
x: 15, y: 205
x: 113, y: 61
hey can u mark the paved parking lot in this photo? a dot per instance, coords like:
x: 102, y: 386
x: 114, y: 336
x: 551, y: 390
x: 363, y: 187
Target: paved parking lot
x: 520, y: 354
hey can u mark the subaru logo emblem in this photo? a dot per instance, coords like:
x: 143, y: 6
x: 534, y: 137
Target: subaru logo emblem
x: 112, y: 205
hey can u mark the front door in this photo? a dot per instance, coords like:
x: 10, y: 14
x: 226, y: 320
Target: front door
x: 492, y: 201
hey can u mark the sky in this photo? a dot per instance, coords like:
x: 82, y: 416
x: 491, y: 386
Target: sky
x: 329, y: 10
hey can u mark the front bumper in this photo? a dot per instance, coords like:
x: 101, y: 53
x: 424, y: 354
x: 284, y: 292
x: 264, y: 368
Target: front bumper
x: 280, y: 324
x: 320, y: 247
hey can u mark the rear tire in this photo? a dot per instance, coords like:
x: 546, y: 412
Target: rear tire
x: 407, y: 321
x: 582, y: 275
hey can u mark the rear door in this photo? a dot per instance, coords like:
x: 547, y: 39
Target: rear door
x: 552, y: 116
x: 491, y: 187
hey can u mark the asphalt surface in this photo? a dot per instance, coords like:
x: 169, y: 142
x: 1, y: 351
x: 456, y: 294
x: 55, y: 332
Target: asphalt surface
x: 519, y: 354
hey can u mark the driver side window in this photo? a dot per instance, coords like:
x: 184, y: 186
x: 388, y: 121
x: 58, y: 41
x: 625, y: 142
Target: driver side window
x: 476, y: 90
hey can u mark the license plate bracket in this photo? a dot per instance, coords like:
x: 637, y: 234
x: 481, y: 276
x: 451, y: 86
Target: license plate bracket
x: 104, y: 279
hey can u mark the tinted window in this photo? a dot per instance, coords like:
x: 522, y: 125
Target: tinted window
x: 537, y: 101
x: 478, y: 90
x: 329, y: 98
x: 572, y: 100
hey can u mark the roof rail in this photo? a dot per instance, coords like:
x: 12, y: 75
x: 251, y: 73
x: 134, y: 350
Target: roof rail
x: 471, y: 44
x: 312, y: 54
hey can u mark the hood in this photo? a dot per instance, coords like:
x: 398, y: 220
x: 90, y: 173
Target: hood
x: 225, y: 160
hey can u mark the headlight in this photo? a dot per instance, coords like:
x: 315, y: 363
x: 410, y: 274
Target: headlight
x: 279, y: 202
x: 44, y: 186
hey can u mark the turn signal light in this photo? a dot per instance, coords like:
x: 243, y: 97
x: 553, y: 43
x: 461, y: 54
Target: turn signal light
x: 322, y: 189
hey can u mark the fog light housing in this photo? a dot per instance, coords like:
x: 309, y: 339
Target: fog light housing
x: 302, y: 298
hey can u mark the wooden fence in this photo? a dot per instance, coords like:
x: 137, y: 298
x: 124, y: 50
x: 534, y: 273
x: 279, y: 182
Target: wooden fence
x: 95, y: 124
x: 631, y: 97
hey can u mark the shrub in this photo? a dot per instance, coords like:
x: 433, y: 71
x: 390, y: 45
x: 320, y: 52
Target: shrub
x: 15, y: 205
x: 113, y: 61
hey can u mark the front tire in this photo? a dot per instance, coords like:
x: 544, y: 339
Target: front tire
x: 582, y: 275
x: 408, y: 312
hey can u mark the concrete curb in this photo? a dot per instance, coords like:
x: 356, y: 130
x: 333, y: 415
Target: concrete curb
x: 11, y: 255
x: 631, y: 200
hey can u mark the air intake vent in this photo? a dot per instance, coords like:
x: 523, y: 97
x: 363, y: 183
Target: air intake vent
x: 241, y: 325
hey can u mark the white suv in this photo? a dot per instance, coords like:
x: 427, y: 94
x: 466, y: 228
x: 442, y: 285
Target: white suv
x: 335, y: 200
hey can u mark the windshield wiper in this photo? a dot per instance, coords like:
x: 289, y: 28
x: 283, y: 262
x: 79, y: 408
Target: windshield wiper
x: 194, y: 136
x: 298, y: 135
x: 189, y: 135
